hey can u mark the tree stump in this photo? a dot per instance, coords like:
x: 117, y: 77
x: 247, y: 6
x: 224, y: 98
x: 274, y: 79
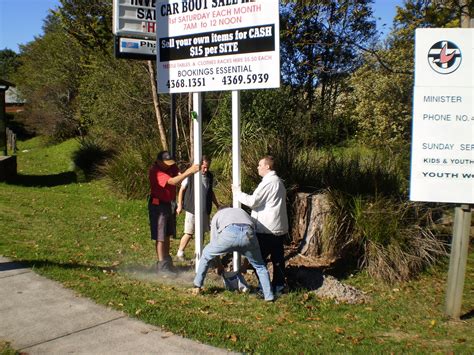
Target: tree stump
x: 312, y: 244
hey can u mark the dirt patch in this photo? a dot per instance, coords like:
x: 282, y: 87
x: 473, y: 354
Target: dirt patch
x: 334, y: 289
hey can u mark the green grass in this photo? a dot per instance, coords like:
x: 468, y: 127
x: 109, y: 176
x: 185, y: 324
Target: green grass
x: 97, y: 244
x: 6, y: 349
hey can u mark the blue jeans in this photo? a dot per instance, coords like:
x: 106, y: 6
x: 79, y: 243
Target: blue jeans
x: 240, y: 238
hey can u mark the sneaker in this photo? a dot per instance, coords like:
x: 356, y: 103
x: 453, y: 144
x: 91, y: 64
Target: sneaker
x: 180, y: 257
x: 235, y: 281
x: 261, y: 296
x: 165, y: 267
x: 196, y: 290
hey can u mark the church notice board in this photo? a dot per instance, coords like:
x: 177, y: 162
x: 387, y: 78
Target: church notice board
x: 442, y: 159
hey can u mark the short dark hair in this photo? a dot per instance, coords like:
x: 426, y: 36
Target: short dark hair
x: 269, y: 161
x: 206, y: 159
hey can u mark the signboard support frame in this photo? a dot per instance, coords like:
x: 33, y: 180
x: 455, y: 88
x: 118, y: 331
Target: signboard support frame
x: 458, y: 260
x: 236, y: 163
x: 198, y: 205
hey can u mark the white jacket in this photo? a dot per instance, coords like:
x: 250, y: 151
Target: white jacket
x: 268, y: 204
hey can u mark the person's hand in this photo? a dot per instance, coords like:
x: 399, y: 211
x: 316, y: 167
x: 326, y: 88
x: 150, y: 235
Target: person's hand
x: 179, y: 208
x: 194, y: 168
x: 235, y: 189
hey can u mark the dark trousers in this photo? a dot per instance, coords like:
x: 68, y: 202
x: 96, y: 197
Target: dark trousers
x: 272, y: 245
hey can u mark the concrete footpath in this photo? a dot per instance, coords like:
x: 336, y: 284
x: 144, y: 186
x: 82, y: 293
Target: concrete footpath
x: 39, y: 316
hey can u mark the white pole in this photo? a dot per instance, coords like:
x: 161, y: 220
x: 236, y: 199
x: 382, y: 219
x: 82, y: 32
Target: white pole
x: 236, y: 158
x: 198, y: 201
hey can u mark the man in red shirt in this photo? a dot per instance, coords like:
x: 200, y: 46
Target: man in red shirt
x: 164, y: 176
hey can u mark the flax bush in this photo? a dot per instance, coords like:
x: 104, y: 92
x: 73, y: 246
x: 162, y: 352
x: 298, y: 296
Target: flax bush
x: 397, y: 238
x: 127, y: 173
x: 90, y: 156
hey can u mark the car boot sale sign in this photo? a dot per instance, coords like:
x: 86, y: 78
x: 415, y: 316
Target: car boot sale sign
x: 208, y: 45
x: 442, y: 161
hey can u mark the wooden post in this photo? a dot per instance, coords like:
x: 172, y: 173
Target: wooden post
x: 461, y: 231
x: 458, y: 261
x: 3, y: 121
x: 173, y: 125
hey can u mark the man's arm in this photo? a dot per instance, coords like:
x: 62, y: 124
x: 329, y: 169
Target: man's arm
x: 180, y: 198
x: 189, y: 171
x: 214, y: 228
x: 254, y: 200
x: 214, y: 199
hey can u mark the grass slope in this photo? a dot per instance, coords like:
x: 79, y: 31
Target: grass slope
x: 97, y: 244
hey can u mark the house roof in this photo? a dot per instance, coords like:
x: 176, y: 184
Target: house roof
x: 12, y: 97
x: 5, y: 83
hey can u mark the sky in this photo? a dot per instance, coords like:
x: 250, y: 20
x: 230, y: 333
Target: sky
x: 22, y: 20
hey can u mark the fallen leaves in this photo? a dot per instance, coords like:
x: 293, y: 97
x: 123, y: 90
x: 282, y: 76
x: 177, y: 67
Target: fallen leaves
x: 232, y: 337
x: 355, y: 340
x: 166, y: 335
x: 339, y: 330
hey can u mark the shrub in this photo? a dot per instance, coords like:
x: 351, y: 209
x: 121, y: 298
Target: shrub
x: 368, y: 224
x: 127, y: 172
x: 397, y: 238
x: 90, y: 156
x: 354, y: 172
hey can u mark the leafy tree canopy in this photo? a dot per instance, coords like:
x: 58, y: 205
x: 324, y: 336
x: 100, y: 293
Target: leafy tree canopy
x: 89, y: 22
x: 320, y: 39
x: 9, y: 63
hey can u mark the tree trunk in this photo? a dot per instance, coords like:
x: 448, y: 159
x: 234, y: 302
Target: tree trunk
x: 157, y: 106
x: 191, y: 128
x: 322, y: 233
x: 311, y: 244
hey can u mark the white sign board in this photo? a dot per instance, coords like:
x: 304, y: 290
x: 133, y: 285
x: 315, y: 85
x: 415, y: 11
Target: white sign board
x: 442, y: 161
x: 135, y: 48
x: 208, y: 45
x: 134, y: 18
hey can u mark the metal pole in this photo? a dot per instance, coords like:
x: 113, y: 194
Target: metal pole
x: 236, y: 158
x: 198, y: 200
x: 461, y: 231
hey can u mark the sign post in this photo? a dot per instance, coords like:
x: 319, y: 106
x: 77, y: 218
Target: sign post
x: 218, y: 45
x: 458, y: 261
x: 198, y: 200
x: 236, y: 181
x: 442, y: 162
